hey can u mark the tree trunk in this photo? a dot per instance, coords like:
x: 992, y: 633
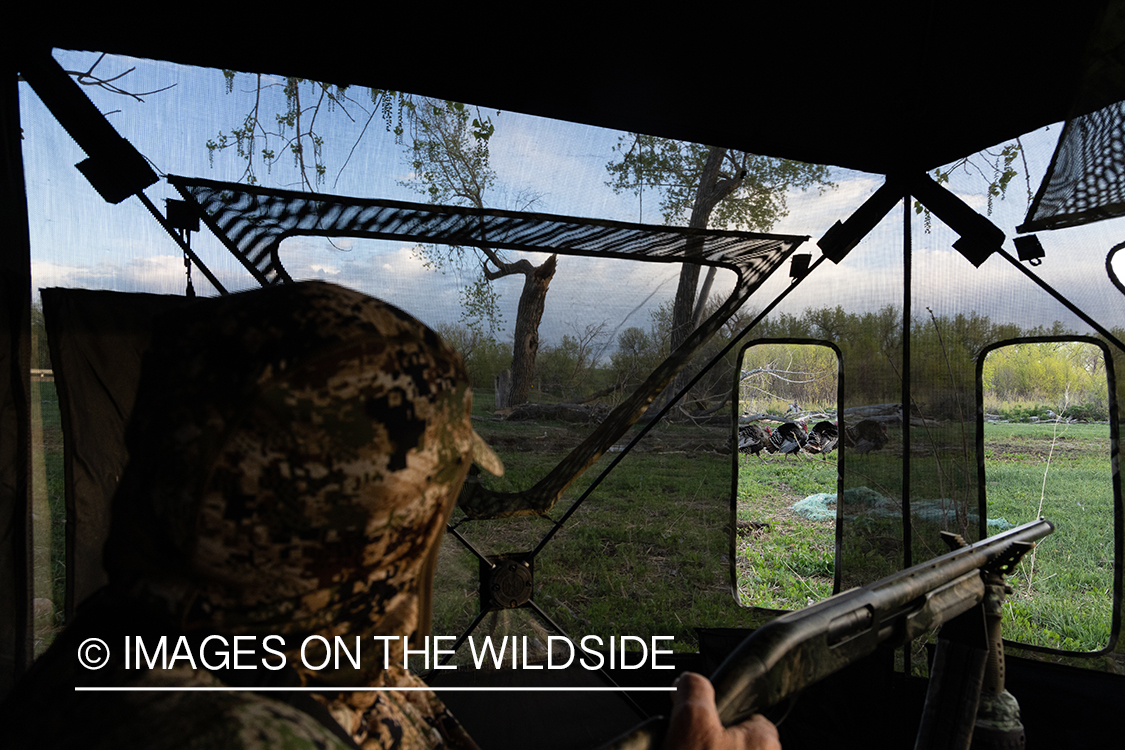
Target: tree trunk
x: 528, y: 315
x: 704, y: 293
x: 713, y: 188
x: 684, y: 304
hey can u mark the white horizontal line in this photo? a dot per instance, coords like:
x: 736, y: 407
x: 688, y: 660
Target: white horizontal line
x: 330, y: 689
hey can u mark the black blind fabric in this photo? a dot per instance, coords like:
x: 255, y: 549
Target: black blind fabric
x: 97, y: 339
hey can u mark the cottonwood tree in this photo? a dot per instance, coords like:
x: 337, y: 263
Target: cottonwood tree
x: 447, y: 147
x: 707, y: 186
x: 994, y: 167
x: 265, y: 135
x: 113, y: 83
x: 448, y: 150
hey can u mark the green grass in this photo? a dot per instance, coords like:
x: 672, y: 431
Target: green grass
x: 1063, y: 591
x: 647, y: 554
x: 788, y: 563
x: 49, y: 514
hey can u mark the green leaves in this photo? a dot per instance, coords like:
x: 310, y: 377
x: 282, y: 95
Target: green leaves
x: 482, y: 131
x: 449, y: 153
x: 1054, y: 372
x: 748, y: 190
x: 996, y: 169
x: 294, y: 124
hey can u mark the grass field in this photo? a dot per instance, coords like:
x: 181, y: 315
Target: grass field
x: 650, y: 552
x: 1062, y: 593
x: 785, y: 561
x: 647, y: 554
x: 48, y: 514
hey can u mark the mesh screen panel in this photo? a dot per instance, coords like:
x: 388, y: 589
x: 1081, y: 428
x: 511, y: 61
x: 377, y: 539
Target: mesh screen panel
x: 1086, y: 180
x: 661, y: 520
x: 253, y: 221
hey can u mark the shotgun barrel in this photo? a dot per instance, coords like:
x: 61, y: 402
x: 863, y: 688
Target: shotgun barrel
x: 803, y: 647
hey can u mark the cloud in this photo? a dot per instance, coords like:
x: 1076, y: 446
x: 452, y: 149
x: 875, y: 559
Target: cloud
x: 47, y: 274
x: 160, y: 274
x: 976, y: 201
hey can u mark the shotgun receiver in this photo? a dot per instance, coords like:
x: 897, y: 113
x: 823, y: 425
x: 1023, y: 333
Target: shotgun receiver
x: 801, y: 648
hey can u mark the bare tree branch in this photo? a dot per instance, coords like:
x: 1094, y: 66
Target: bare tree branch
x: 87, y: 78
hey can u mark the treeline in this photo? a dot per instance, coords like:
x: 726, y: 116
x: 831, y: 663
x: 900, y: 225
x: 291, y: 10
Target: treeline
x: 591, y: 361
x: 944, y: 352
x: 1060, y: 375
x: 1065, y: 375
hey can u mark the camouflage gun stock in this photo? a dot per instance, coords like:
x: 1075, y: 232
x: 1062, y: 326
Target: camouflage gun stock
x: 801, y: 648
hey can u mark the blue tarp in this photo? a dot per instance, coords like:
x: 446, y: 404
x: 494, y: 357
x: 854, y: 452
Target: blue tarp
x: 822, y: 507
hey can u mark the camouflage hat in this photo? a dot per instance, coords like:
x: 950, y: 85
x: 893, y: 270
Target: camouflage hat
x: 295, y: 453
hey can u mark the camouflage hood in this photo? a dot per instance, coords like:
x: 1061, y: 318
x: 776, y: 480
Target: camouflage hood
x: 294, y: 455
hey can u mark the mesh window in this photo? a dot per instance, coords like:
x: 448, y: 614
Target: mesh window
x: 628, y: 512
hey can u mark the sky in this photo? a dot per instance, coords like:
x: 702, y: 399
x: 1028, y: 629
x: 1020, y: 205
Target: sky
x: 80, y: 241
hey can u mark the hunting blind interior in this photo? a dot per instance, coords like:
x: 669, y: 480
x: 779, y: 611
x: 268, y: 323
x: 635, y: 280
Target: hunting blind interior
x: 632, y: 496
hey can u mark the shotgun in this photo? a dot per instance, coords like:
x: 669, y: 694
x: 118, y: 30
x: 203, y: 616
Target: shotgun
x: 800, y: 648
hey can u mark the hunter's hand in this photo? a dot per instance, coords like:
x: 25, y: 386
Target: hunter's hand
x: 695, y: 722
